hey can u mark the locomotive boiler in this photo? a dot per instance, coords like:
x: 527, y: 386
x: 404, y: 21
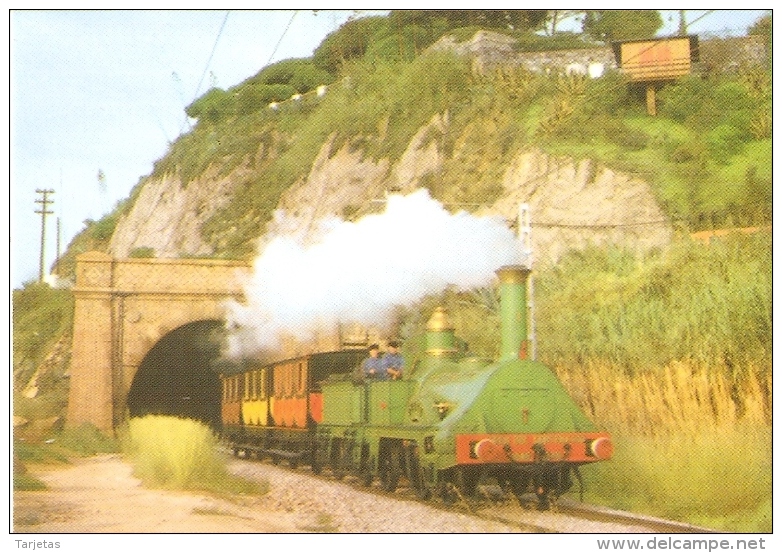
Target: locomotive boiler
x: 453, y: 421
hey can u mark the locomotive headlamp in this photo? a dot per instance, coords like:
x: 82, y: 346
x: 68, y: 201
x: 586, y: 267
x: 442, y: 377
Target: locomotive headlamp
x: 601, y: 448
x: 489, y: 451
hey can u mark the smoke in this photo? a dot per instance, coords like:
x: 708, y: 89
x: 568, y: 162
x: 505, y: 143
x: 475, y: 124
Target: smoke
x: 358, y: 272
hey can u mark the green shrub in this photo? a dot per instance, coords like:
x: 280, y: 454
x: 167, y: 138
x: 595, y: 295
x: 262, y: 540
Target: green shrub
x: 718, y: 480
x: 104, y: 228
x: 724, y: 142
x: 213, y: 106
x: 174, y: 453
x: 300, y: 73
x: 85, y: 440
x: 40, y: 316
x: 38, y: 453
x: 254, y: 97
x: 27, y: 482
x: 349, y: 42
x: 684, y: 99
x: 705, y: 303
x: 394, y: 47
x: 144, y: 252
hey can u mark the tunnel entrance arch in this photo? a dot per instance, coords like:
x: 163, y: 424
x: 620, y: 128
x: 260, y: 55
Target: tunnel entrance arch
x: 133, y: 314
x: 179, y: 375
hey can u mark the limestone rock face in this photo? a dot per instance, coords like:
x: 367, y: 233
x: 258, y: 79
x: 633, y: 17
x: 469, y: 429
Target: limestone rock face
x: 167, y: 216
x: 572, y: 203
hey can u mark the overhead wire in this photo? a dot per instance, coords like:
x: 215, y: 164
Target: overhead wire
x: 284, y: 32
x: 208, y: 63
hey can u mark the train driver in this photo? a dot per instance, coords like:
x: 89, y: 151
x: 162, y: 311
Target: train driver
x: 372, y: 366
x: 392, y: 361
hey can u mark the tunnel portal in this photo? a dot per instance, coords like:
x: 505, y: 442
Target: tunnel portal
x: 179, y: 375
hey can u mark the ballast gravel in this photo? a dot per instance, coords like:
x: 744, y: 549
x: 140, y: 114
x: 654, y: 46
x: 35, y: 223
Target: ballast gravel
x: 327, y: 505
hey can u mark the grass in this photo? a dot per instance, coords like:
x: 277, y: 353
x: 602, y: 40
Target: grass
x: 28, y: 482
x: 174, y: 453
x: 717, y: 479
x: 691, y: 443
x: 709, y: 304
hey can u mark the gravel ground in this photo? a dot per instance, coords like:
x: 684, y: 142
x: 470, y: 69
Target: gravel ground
x: 327, y: 505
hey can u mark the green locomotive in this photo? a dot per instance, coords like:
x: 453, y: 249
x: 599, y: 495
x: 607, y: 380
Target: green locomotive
x: 451, y: 422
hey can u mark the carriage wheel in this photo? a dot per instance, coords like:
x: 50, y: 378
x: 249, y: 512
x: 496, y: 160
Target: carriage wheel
x: 337, y: 470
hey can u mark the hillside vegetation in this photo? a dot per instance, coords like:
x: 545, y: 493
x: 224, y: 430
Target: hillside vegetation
x: 707, y: 154
x: 671, y: 351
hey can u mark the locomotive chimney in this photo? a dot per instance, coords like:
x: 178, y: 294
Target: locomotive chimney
x: 513, y: 311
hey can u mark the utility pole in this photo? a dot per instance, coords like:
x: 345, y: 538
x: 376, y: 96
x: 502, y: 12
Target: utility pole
x: 57, y: 259
x: 682, y: 23
x: 45, y: 201
x: 525, y: 237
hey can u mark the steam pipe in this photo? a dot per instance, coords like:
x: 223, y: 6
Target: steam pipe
x: 513, y: 311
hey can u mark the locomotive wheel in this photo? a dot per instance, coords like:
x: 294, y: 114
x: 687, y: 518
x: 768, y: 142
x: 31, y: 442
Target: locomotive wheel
x: 391, y: 470
x: 316, y: 467
x: 467, y: 481
x: 519, y: 486
x: 365, y: 471
x: 448, y: 493
x: 544, y: 501
x: 417, y: 478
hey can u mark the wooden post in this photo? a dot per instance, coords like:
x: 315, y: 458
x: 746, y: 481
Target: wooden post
x: 651, y: 101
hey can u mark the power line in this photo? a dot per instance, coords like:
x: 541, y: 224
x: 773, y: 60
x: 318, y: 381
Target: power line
x: 281, y: 37
x: 209, y: 61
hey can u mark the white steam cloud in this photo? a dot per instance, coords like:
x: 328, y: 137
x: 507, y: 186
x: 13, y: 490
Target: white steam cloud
x: 357, y: 272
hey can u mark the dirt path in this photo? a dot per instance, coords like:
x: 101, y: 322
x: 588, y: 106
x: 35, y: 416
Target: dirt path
x: 99, y: 495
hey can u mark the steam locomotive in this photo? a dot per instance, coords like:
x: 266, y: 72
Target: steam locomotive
x: 452, y: 422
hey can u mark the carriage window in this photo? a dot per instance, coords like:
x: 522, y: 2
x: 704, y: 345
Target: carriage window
x: 289, y: 370
x: 262, y: 384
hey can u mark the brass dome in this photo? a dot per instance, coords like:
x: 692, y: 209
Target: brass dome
x: 439, y: 321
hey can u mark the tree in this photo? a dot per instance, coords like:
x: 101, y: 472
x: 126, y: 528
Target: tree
x: 555, y: 17
x: 348, y: 42
x: 762, y: 26
x: 611, y: 25
x: 519, y: 20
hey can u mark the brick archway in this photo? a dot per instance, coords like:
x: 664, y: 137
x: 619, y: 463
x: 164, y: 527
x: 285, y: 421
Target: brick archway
x: 122, y: 308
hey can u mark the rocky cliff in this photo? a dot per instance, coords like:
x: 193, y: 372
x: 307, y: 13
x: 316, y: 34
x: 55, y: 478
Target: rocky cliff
x: 572, y: 203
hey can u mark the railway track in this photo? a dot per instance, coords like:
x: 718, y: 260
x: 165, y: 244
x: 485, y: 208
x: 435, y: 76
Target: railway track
x: 491, y: 503
x: 574, y: 517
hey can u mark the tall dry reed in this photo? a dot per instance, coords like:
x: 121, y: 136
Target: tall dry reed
x: 682, y: 398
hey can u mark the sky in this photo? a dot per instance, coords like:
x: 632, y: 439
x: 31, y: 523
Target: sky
x: 104, y: 92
